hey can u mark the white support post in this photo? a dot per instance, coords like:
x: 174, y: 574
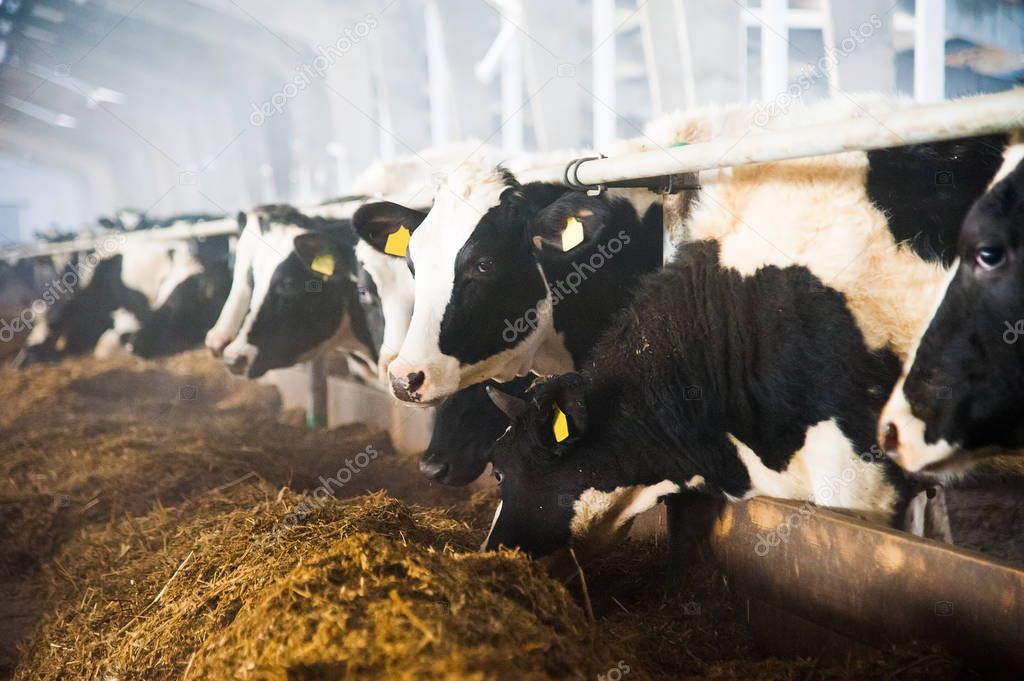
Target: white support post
x: 930, y: 50
x: 437, y: 74
x: 512, y: 94
x: 603, y: 75
x: 685, y: 53
x: 774, y: 48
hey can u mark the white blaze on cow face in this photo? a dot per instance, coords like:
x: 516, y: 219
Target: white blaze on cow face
x: 394, y: 284
x: 236, y: 306
x: 901, y: 434
x: 274, y: 248
x: 458, y: 207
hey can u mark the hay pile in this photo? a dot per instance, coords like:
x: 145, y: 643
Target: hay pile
x: 151, y: 515
x: 367, y: 588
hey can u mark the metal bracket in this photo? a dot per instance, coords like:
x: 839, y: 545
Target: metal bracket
x: 662, y: 184
x: 570, y: 179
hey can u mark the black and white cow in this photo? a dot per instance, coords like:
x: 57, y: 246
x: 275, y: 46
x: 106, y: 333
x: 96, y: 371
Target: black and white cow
x: 466, y: 426
x: 961, y: 396
x: 156, y: 297
x: 711, y: 382
x: 498, y: 291
x: 294, y: 292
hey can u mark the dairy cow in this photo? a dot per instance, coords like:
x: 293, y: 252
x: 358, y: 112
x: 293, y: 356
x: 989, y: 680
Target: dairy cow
x: 294, y: 292
x: 151, y: 297
x: 501, y: 291
x: 959, y: 398
x: 712, y: 382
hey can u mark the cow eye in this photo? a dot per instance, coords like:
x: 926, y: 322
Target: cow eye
x: 484, y: 265
x: 499, y: 476
x: 990, y: 257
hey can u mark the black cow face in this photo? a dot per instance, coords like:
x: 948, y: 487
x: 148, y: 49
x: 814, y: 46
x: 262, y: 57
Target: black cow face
x: 497, y: 283
x: 482, y: 304
x: 373, y: 311
x: 466, y: 426
x: 181, y: 322
x: 540, y: 477
x: 963, y: 393
x: 311, y: 294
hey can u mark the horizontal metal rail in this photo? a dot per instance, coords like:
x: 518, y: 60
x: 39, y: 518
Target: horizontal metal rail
x: 111, y: 241
x: 915, y: 124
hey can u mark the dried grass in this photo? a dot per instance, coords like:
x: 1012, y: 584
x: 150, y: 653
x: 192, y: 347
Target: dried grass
x: 144, y: 536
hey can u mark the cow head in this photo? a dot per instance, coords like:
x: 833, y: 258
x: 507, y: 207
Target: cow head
x: 304, y: 293
x: 181, y: 319
x: 483, y: 308
x: 559, y: 481
x: 961, y: 392
x: 466, y: 426
x: 381, y: 253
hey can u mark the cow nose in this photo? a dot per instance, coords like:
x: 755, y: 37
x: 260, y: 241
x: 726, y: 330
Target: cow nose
x: 433, y: 469
x: 891, y: 441
x: 216, y: 342
x: 407, y: 388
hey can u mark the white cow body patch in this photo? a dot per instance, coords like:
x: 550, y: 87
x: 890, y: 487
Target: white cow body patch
x: 599, y: 516
x: 826, y: 471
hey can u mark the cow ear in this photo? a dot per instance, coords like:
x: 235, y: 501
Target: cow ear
x: 319, y: 253
x: 380, y: 224
x: 568, y: 225
x: 241, y: 218
x: 568, y: 418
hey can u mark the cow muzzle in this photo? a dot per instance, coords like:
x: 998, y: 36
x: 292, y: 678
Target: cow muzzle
x: 408, y: 387
x: 216, y: 342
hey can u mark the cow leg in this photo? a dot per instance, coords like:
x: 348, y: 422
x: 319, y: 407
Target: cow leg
x: 913, y: 519
x: 937, y: 515
x: 689, y: 517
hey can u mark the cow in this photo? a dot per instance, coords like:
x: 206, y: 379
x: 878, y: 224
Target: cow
x: 959, y: 397
x: 150, y: 296
x: 408, y: 177
x: 858, y: 227
x: 501, y: 291
x: 466, y: 425
x: 711, y: 382
x: 294, y: 291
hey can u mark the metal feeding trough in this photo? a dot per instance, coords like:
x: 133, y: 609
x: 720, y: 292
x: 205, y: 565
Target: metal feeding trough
x: 871, y: 583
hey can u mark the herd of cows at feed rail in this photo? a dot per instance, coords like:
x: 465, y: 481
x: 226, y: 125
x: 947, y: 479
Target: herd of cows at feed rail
x: 810, y: 330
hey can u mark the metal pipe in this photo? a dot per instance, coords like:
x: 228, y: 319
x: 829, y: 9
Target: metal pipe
x: 914, y: 124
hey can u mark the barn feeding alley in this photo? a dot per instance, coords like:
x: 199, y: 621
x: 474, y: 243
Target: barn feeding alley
x: 511, y: 339
x: 164, y: 521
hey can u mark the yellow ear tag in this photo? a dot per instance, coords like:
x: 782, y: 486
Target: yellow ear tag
x: 561, y: 427
x: 323, y: 264
x: 573, y: 234
x: 398, y: 242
